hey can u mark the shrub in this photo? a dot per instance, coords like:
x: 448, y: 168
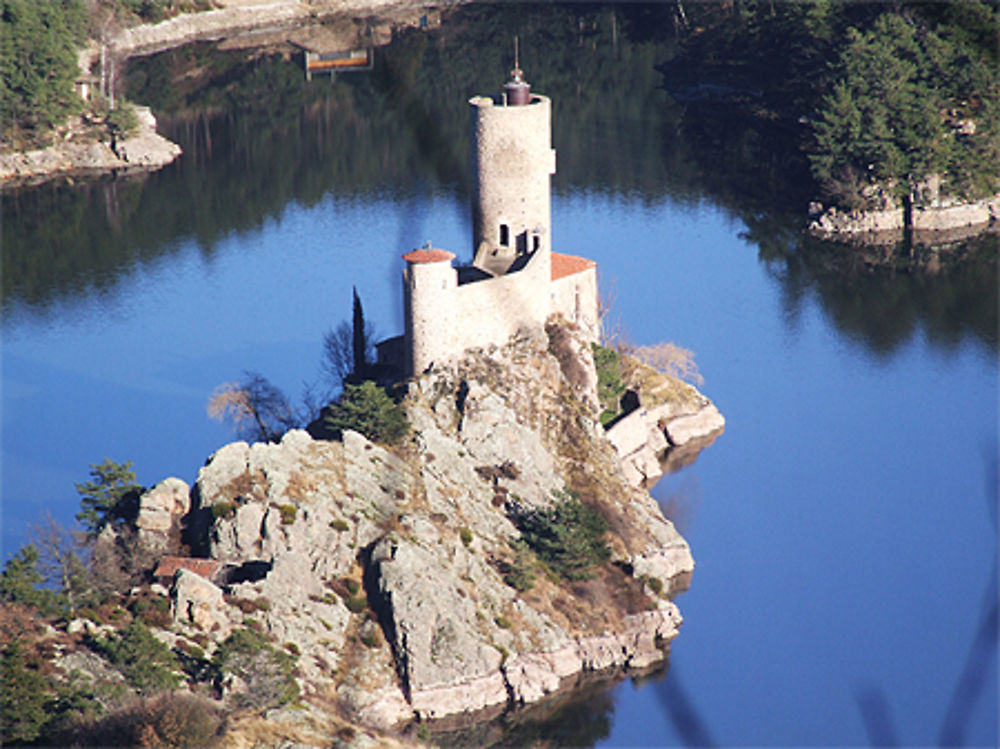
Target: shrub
x: 288, y: 513
x: 503, y: 622
x: 356, y: 604
x: 146, y: 662
x: 122, y: 120
x: 520, y: 574
x: 568, y: 536
x: 169, y: 720
x: 249, y: 605
x: 339, y: 525
x: 610, y: 387
x: 371, y: 639
x: 23, y: 697
x: 266, y: 670
x: 366, y: 408
x: 223, y: 509
x: 655, y: 584
x: 466, y: 535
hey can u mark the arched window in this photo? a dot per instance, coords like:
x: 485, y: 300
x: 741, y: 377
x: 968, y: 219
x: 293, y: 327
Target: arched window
x: 504, y: 235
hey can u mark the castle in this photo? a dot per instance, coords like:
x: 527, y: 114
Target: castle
x: 515, y: 281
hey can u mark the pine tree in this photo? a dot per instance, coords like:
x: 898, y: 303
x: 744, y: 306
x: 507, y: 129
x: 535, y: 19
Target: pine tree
x: 112, y: 495
x: 359, y: 341
x: 20, y: 579
x: 23, y: 698
x: 38, y: 64
x: 366, y: 408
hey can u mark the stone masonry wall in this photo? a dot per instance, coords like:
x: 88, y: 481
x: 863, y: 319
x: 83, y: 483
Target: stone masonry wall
x: 575, y: 298
x: 444, y: 319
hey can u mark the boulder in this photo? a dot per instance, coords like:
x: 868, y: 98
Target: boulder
x: 198, y: 603
x: 160, y: 512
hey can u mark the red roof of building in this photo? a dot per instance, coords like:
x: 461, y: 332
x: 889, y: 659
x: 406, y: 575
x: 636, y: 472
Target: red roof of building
x: 207, y: 568
x: 568, y: 265
x: 428, y: 256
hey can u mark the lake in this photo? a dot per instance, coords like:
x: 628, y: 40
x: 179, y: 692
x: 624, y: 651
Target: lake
x: 844, y: 526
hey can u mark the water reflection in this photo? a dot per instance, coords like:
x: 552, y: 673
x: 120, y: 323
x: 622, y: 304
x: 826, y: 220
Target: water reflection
x: 257, y: 137
x: 580, y: 716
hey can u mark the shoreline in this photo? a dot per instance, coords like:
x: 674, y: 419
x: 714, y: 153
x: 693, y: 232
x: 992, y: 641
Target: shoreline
x: 943, y: 223
x: 96, y: 153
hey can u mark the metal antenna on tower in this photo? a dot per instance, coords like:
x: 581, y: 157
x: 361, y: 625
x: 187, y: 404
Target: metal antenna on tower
x: 517, y: 75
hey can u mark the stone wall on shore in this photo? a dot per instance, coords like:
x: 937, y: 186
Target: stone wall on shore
x: 945, y: 216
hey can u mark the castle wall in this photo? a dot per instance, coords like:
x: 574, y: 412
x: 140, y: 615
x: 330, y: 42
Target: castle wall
x: 575, y: 297
x: 444, y: 319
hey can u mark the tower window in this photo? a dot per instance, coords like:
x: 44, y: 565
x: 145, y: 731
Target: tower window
x: 536, y: 242
x: 504, y: 235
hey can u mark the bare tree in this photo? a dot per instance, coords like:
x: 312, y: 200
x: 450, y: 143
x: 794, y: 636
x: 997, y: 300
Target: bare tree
x: 63, y: 561
x: 666, y: 357
x: 255, y: 408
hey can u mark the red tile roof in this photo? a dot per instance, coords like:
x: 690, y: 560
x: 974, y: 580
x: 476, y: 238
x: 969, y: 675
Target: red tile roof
x: 568, y: 265
x: 428, y: 256
x: 207, y: 568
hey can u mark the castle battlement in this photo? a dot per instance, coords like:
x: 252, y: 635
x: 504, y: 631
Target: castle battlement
x: 515, y: 281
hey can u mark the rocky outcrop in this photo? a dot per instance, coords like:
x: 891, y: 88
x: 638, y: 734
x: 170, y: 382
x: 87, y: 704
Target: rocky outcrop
x: 386, y: 567
x: 161, y: 510
x: 144, y: 149
x: 671, y: 422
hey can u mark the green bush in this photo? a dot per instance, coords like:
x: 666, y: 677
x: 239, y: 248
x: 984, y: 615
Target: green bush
x: 146, y: 662
x: 568, y: 536
x: 610, y: 387
x: 367, y: 408
x: 288, y: 513
x: 223, y: 509
x: 339, y: 525
x: 266, y: 670
x: 38, y: 62
x: 356, y: 604
x: 520, y: 574
x: 466, y: 535
x: 122, y: 120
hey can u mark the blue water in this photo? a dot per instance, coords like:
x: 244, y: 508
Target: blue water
x: 843, y: 527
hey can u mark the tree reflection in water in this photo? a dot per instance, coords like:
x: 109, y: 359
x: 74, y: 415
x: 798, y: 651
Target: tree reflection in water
x: 875, y: 709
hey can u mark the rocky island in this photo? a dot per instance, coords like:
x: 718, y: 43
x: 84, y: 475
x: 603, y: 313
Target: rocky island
x: 495, y: 547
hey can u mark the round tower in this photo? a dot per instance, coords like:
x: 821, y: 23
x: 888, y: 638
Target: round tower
x: 512, y: 164
x: 429, y: 282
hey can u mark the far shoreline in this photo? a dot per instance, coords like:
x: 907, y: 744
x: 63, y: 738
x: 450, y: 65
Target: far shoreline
x: 87, y: 149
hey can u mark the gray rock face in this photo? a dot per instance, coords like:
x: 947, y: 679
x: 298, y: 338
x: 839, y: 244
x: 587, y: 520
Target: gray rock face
x: 648, y: 438
x: 385, y: 567
x: 198, y: 603
x: 161, y: 510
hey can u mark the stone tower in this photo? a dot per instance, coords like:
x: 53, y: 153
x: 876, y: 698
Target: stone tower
x: 515, y: 282
x: 512, y: 164
x: 429, y: 282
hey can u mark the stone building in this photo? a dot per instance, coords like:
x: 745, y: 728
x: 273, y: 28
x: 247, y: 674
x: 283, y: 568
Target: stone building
x: 515, y: 281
